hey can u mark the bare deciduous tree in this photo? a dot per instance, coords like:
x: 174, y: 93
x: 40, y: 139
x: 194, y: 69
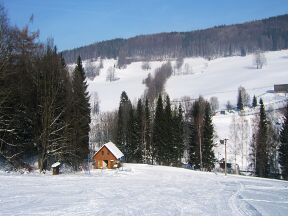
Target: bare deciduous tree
x: 259, y: 59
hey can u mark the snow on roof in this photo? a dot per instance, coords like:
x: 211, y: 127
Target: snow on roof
x: 113, y: 149
x: 56, y: 164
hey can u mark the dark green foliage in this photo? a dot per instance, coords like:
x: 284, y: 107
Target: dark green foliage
x: 80, y: 111
x: 158, y: 144
x: 201, y: 135
x: 208, y: 142
x: 262, y: 167
x: 267, y: 34
x: 135, y: 135
x: 195, y: 136
x: 283, y: 149
x: 124, y: 112
x: 147, y: 134
x: 254, y: 102
x: 178, y: 136
x: 139, y: 128
x: 240, y: 104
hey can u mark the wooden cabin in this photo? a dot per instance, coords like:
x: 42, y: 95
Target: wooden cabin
x: 108, y: 156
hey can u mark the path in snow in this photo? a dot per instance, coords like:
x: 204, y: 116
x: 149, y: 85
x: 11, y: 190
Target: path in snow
x: 141, y: 190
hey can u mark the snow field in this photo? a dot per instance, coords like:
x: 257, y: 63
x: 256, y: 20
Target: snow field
x: 220, y: 77
x: 141, y: 190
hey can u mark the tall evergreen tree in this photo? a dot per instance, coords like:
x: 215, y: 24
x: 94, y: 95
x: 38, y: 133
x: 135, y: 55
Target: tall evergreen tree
x: 124, y: 112
x: 262, y: 159
x: 208, y: 142
x: 240, y: 104
x: 158, y: 132
x: 167, y: 147
x: 195, y: 137
x: 283, y: 149
x: 147, y: 134
x: 254, y: 102
x: 81, y: 111
x: 131, y: 138
x: 178, y: 136
x: 139, y: 127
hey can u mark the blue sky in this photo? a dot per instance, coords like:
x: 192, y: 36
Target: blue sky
x: 74, y: 23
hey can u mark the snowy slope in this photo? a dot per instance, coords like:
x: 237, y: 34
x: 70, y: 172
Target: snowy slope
x: 219, y: 77
x: 141, y: 190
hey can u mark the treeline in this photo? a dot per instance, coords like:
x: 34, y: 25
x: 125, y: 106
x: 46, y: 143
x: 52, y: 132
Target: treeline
x: 159, y: 133
x: 266, y: 35
x: 44, y: 112
x: 269, y: 145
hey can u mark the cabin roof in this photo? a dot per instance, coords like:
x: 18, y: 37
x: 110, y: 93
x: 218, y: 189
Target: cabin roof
x: 113, y: 149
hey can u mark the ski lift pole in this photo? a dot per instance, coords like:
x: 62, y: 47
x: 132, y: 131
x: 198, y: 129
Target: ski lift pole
x: 224, y: 141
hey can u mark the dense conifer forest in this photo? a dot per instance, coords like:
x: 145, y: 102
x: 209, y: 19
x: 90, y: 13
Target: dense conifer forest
x: 239, y: 39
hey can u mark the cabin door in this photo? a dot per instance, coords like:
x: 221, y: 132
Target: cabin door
x: 99, y: 165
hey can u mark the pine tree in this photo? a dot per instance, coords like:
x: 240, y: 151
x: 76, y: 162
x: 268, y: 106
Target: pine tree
x: 283, y: 149
x: 124, y: 112
x: 158, y: 132
x: 178, y: 136
x: 147, y: 134
x: 139, y: 127
x: 254, y: 102
x: 131, y: 138
x: 261, y: 144
x: 208, y: 135
x: 195, y: 136
x: 81, y: 111
x: 240, y: 104
x: 167, y: 148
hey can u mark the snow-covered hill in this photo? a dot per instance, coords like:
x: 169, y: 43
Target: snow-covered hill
x: 219, y: 77
x: 141, y: 190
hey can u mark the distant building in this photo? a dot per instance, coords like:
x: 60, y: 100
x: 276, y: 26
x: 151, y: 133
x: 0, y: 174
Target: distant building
x: 281, y: 88
x: 108, y: 156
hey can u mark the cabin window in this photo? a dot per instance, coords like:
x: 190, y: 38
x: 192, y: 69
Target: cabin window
x: 108, y: 153
x: 102, y: 153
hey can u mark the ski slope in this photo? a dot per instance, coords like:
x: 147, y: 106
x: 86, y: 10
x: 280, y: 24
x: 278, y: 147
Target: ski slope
x: 220, y: 77
x: 141, y: 190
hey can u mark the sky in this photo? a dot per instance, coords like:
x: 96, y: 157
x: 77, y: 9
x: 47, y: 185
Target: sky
x: 75, y: 23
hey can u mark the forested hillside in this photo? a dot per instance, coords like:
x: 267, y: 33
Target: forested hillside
x: 266, y: 35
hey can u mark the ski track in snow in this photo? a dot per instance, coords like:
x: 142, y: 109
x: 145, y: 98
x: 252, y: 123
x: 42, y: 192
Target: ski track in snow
x: 141, y: 190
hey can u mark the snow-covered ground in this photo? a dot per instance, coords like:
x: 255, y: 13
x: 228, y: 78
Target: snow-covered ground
x: 219, y: 77
x: 141, y: 190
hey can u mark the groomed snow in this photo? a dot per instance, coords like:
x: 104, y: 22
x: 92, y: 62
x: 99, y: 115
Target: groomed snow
x: 141, y: 190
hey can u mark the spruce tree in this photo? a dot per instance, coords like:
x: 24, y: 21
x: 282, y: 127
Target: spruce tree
x: 254, y: 102
x: 283, y: 149
x: 158, y: 132
x: 147, y: 134
x: 131, y: 138
x: 208, y: 135
x: 261, y: 144
x: 167, y: 148
x: 195, y: 134
x: 124, y: 112
x: 81, y: 111
x: 240, y: 105
x: 139, y: 127
x: 178, y: 136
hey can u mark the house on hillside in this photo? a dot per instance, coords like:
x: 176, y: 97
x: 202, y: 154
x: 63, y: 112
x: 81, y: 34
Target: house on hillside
x: 108, y: 156
x: 282, y: 88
